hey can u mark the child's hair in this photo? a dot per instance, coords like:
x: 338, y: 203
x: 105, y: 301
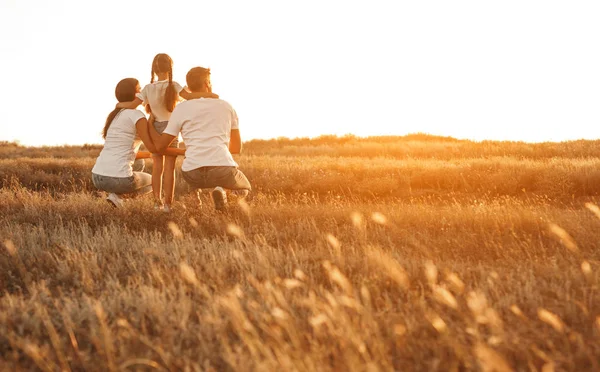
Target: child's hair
x: 163, y: 63
x: 125, y: 92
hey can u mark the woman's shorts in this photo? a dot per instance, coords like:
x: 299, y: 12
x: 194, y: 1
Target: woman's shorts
x: 138, y: 183
x: 160, y: 127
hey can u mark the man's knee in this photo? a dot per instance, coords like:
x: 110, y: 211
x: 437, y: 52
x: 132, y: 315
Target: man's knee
x: 241, y: 181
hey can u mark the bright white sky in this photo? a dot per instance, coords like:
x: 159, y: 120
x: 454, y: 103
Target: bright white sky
x: 508, y: 70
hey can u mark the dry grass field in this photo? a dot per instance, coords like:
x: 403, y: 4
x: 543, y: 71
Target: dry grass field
x: 415, y: 253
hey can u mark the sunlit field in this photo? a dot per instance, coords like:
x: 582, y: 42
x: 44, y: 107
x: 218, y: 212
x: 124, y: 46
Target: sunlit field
x: 415, y: 253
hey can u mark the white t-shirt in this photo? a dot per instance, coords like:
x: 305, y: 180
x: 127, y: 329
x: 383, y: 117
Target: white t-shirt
x: 205, y: 125
x: 121, y: 144
x: 154, y: 95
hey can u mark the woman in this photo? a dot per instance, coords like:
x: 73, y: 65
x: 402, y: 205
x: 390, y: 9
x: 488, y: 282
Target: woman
x: 124, y: 132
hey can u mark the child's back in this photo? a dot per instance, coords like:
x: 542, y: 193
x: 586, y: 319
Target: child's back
x: 154, y: 95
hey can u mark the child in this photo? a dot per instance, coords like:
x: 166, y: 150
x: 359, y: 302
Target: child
x: 161, y: 97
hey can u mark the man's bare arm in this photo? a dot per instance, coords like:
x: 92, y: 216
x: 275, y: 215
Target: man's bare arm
x: 235, y: 142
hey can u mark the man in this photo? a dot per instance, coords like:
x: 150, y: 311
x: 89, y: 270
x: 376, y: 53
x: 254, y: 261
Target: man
x: 209, y: 127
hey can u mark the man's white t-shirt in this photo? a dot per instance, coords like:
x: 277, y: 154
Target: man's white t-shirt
x: 205, y: 125
x: 154, y: 95
x: 121, y: 144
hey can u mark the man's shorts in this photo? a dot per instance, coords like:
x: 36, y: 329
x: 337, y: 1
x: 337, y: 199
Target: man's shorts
x: 209, y: 177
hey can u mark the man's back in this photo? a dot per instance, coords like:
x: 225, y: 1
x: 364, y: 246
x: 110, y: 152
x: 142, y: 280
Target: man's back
x: 205, y: 125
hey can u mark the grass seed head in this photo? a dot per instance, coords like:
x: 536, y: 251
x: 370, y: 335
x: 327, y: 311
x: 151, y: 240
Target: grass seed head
x: 10, y: 247
x: 390, y: 266
x: 292, y: 283
x: 335, y: 244
x: 175, y: 230
x: 123, y: 323
x: 235, y: 230
x: 400, y: 330
x: 431, y: 272
x: 443, y: 296
x: 586, y: 268
x: 279, y: 314
x: 477, y: 303
x: 188, y: 274
x: 317, y: 320
x: 299, y: 274
x: 457, y: 285
x: 336, y: 276
x: 564, y: 237
x: 551, y: 319
x: 357, y: 220
x: 490, y: 360
x: 517, y: 311
x: 379, y: 218
x: 593, y: 208
x: 437, y: 322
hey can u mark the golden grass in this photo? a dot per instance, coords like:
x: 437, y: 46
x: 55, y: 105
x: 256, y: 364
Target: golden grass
x: 355, y: 178
x: 445, y: 277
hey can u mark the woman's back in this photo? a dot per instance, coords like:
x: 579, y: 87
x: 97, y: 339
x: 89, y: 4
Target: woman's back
x: 120, y: 146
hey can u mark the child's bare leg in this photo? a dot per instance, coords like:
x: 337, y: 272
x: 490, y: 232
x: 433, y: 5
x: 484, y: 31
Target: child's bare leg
x: 169, y: 179
x: 157, y: 174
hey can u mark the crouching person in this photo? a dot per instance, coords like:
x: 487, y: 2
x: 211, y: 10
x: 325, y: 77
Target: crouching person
x: 124, y: 132
x: 210, y: 130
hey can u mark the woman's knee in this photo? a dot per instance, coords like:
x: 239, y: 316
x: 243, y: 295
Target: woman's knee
x: 141, y: 179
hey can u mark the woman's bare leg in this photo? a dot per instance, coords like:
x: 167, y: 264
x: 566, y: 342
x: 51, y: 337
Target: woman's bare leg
x: 157, y: 175
x: 169, y: 179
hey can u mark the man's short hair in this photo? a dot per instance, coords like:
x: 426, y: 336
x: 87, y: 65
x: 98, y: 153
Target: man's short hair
x: 196, y: 78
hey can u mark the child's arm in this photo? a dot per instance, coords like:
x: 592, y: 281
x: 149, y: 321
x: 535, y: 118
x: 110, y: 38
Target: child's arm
x: 131, y: 104
x: 193, y: 95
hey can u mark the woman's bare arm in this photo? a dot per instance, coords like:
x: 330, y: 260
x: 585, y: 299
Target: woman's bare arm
x: 141, y: 127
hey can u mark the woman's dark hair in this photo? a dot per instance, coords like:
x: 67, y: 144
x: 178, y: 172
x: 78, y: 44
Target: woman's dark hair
x: 163, y: 63
x: 125, y: 92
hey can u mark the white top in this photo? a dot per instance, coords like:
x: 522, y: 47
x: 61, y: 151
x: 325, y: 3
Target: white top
x: 205, y: 125
x: 154, y: 94
x: 121, y: 144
